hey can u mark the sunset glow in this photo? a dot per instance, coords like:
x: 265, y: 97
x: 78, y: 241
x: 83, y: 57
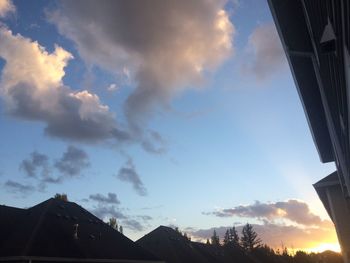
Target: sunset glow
x: 323, y: 247
x: 184, y: 115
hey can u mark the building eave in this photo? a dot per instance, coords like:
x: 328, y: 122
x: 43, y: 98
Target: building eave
x: 299, y: 49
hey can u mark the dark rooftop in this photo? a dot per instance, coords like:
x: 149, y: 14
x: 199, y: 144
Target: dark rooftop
x: 321, y: 186
x: 171, y: 246
x: 47, y: 231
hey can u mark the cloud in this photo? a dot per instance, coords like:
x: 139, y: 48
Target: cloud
x: 154, y: 143
x: 73, y: 161
x: 32, y: 88
x: 292, y: 210
x: 265, y: 52
x: 104, y: 212
x: 112, y: 87
x: 16, y: 187
x: 145, y: 217
x: 128, y: 174
x: 166, y: 46
x: 133, y: 224
x: 37, y: 166
x: 111, y: 198
x: 6, y: 8
x: 107, y: 206
x: 275, y: 234
x: 34, y: 162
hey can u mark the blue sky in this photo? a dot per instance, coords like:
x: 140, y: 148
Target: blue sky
x: 203, y: 108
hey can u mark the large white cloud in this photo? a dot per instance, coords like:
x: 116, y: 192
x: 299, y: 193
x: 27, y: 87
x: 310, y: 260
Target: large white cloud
x: 166, y: 45
x: 31, y: 85
x: 6, y: 7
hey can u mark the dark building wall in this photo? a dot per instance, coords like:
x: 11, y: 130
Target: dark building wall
x: 316, y: 38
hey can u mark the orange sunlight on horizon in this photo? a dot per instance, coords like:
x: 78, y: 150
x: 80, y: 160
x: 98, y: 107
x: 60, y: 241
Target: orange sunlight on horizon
x: 323, y: 247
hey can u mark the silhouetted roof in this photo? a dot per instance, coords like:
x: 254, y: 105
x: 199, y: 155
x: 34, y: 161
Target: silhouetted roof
x: 321, y: 186
x: 9, y: 217
x: 171, y: 246
x: 302, y: 52
x: 329, y: 180
x: 46, y: 231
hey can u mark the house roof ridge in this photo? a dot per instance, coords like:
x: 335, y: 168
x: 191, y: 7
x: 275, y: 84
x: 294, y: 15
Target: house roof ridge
x: 37, y: 225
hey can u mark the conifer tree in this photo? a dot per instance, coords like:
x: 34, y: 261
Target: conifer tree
x: 113, y: 223
x: 215, y: 240
x: 227, y: 238
x: 234, y: 238
x: 249, y: 239
x: 62, y: 197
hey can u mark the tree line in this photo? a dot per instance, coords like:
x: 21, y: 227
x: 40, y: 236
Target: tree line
x: 252, y: 245
x: 112, y: 222
x: 248, y: 240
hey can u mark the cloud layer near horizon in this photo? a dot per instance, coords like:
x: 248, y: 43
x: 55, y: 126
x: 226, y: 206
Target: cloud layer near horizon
x: 293, y: 210
x: 167, y: 45
x: 276, y: 235
x: 288, y: 222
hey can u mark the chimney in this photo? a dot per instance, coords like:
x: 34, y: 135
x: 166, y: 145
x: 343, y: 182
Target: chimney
x: 75, y: 233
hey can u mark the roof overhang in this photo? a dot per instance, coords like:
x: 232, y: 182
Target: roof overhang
x: 294, y: 33
x: 321, y: 187
x: 58, y: 259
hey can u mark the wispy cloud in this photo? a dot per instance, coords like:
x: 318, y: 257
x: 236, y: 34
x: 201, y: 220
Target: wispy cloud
x: 292, y: 210
x: 104, y: 212
x: 73, y: 161
x: 129, y: 174
x: 154, y: 143
x: 265, y: 55
x: 111, y: 198
x: 112, y: 87
x: 35, y: 162
x: 107, y: 206
x: 19, y: 188
x: 133, y: 224
x: 38, y: 166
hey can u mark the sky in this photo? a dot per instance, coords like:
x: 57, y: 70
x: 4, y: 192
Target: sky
x: 176, y: 113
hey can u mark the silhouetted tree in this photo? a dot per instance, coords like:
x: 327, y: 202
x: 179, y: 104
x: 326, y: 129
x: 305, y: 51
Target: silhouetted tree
x: 302, y: 257
x: 227, y: 238
x: 215, y: 240
x: 249, y: 239
x: 234, y: 238
x: 208, y: 243
x: 186, y: 236
x: 62, y: 197
x: 113, y: 223
x: 121, y: 229
x: 286, y: 255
